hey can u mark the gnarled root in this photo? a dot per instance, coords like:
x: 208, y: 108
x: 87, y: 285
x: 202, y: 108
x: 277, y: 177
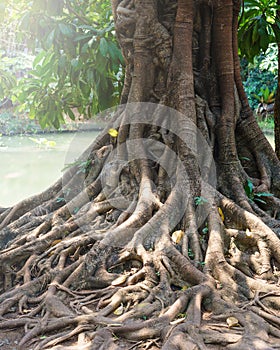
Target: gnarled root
x: 140, y: 254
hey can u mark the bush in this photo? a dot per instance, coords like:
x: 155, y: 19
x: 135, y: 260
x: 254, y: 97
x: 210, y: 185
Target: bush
x: 260, y: 76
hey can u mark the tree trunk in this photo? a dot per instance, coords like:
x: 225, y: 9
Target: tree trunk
x: 277, y: 100
x: 170, y: 232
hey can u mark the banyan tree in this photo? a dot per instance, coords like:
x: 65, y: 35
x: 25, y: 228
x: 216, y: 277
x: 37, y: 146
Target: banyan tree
x: 164, y: 234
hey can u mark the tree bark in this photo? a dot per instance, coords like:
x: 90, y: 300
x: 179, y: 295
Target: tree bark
x: 277, y: 101
x: 171, y: 231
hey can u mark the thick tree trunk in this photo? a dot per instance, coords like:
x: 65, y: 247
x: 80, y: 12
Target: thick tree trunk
x: 277, y: 101
x: 171, y: 232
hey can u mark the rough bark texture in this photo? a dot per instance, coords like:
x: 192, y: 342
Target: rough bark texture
x: 277, y: 102
x: 145, y: 251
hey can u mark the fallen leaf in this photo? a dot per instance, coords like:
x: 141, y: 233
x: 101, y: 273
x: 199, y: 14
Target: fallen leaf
x: 232, y: 322
x: 177, y: 236
x: 141, y: 305
x: 221, y: 214
x: 55, y: 242
x: 119, y: 310
x: 113, y: 132
x: 248, y: 233
x: 120, y: 280
x: 178, y: 321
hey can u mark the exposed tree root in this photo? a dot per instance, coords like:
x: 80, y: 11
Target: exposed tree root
x: 131, y: 264
x: 136, y: 245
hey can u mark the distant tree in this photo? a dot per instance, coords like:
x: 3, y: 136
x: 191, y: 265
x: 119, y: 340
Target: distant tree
x: 259, y: 27
x: 277, y: 97
x: 78, y: 63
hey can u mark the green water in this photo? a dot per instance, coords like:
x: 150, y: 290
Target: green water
x: 28, y: 168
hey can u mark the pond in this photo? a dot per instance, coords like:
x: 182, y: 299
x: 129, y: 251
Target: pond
x: 30, y: 164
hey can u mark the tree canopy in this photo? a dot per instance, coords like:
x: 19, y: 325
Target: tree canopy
x: 78, y: 62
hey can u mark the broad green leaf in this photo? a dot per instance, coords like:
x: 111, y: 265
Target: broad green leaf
x: 71, y: 114
x: 263, y: 194
x: 50, y: 39
x: 249, y: 187
x: 255, y: 33
x: 75, y: 62
x: 39, y: 58
x: 259, y: 200
x: 103, y: 46
x: 264, y: 41
x: 66, y: 29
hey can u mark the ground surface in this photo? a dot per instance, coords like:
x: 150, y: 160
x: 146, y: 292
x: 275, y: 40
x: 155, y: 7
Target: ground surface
x: 9, y: 340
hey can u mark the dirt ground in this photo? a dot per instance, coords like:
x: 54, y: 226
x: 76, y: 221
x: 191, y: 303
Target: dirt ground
x: 9, y: 340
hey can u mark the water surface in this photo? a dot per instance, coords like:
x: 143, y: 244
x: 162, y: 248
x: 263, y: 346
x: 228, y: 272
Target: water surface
x: 28, y: 167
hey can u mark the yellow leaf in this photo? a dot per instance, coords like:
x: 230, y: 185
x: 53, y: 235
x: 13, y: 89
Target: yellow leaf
x: 232, y: 322
x: 177, y: 236
x: 119, y: 310
x: 142, y: 305
x: 113, y: 132
x: 185, y: 288
x: 178, y: 321
x: 51, y: 143
x: 55, y: 242
x: 221, y: 214
x: 120, y: 280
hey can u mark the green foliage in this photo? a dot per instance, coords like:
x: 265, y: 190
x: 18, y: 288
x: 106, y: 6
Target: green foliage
x: 7, y: 78
x: 11, y: 124
x: 190, y: 254
x: 205, y: 230
x: 259, y: 27
x: 269, y: 60
x: 82, y: 165
x: 79, y: 63
x: 260, y: 77
x: 200, y: 200
x: 267, y: 124
x: 265, y: 96
x: 11, y: 69
x: 7, y: 82
x: 255, y: 196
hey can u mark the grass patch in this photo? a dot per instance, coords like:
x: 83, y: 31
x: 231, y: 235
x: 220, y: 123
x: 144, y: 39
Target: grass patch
x: 267, y: 124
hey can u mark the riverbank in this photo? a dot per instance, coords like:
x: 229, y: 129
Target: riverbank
x: 12, y: 123
x: 32, y: 159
